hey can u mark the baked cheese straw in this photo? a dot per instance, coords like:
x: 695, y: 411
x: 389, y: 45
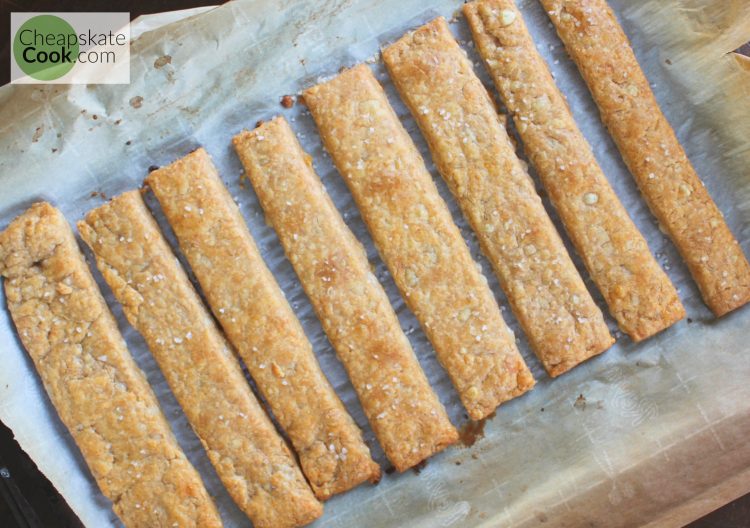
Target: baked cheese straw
x: 404, y: 412
x: 665, y: 177
x: 420, y: 244
x: 638, y: 292
x: 473, y: 153
x: 99, y: 392
x: 250, y: 457
x: 261, y: 326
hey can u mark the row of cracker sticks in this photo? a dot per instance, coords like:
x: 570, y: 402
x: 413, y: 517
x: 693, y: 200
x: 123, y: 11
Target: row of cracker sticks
x: 105, y: 401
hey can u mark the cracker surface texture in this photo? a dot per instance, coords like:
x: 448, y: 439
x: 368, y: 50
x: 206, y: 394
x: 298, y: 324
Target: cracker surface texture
x: 418, y: 241
x: 473, y: 153
x: 99, y: 392
x: 251, y: 459
x: 260, y: 324
x: 668, y: 182
x: 639, y: 294
x: 404, y: 412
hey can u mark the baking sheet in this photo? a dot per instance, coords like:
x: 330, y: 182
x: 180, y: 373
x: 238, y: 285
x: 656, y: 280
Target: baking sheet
x: 653, y: 433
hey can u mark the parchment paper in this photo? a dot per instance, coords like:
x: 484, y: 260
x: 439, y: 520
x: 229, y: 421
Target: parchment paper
x: 654, y: 433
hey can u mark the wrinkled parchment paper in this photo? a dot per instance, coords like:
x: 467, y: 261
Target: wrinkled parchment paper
x: 654, y: 433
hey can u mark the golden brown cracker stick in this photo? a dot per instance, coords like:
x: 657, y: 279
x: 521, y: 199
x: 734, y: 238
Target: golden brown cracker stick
x: 250, y: 457
x: 261, y: 326
x: 665, y: 177
x: 420, y: 244
x: 99, y: 392
x: 474, y: 155
x: 404, y: 412
x: 638, y: 292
